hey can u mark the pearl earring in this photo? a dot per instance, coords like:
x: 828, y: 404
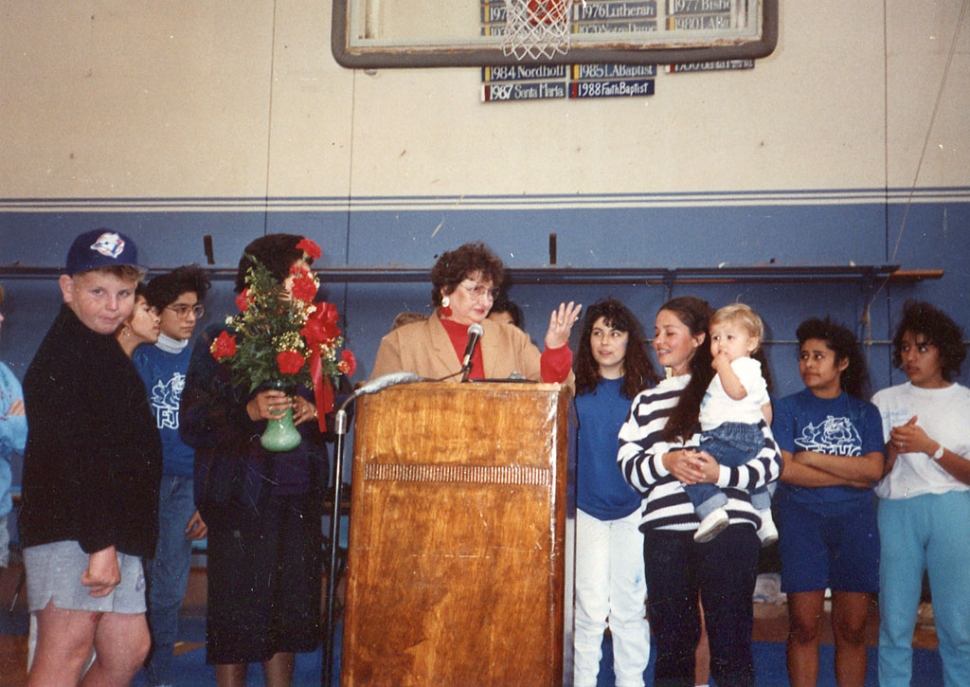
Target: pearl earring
x: 446, y: 306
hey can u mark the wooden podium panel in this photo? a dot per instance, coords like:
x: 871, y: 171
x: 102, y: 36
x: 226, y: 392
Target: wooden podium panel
x: 456, y: 560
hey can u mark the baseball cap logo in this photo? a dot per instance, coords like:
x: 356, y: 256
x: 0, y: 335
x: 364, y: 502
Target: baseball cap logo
x: 109, y: 245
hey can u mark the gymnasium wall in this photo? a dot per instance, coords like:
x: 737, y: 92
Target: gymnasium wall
x: 175, y: 120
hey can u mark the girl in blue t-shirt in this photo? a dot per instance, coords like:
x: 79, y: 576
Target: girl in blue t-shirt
x: 831, y: 443
x: 611, y: 368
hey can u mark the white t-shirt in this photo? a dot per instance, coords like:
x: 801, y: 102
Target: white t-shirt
x: 717, y: 407
x: 944, y: 414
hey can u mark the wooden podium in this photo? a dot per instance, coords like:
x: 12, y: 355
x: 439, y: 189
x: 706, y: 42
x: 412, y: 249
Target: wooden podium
x: 456, y: 560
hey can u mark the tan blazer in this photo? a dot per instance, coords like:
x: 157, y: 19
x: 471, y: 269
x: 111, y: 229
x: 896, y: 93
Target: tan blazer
x: 425, y: 349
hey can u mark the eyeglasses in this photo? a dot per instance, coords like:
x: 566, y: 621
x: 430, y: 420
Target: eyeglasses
x: 182, y: 310
x: 478, y: 291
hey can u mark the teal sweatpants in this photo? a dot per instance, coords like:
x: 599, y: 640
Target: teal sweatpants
x: 929, y: 532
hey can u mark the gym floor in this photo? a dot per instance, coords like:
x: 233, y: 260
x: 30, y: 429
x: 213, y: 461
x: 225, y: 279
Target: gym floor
x: 771, y: 623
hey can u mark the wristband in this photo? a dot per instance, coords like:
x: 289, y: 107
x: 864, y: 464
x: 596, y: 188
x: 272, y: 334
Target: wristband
x: 939, y: 453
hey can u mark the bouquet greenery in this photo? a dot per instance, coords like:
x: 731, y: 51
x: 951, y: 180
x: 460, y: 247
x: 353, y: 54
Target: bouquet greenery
x: 284, y: 338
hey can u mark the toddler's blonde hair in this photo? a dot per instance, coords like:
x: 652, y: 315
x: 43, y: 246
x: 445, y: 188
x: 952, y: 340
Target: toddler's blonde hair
x: 743, y: 315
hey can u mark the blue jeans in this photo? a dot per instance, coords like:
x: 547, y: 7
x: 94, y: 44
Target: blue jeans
x: 732, y: 444
x: 168, y: 574
x: 723, y: 572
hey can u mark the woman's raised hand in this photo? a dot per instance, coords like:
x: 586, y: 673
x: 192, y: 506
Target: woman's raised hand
x: 561, y: 323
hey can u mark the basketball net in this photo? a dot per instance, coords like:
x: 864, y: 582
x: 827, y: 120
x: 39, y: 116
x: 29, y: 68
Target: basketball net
x: 536, y: 28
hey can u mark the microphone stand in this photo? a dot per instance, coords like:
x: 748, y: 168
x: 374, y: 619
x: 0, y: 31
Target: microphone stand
x: 340, y: 429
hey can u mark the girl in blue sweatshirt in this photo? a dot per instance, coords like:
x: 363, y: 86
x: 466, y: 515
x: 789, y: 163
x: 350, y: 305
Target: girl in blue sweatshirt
x: 611, y: 368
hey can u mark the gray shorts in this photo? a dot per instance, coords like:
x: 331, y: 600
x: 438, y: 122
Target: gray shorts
x: 54, y: 574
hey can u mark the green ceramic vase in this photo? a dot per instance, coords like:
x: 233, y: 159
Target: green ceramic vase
x: 281, y: 435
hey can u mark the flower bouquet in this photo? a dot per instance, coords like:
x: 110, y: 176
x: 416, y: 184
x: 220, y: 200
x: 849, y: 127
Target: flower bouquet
x: 281, y: 339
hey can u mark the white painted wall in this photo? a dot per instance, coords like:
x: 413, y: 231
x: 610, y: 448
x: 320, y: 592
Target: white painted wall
x: 111, y: 99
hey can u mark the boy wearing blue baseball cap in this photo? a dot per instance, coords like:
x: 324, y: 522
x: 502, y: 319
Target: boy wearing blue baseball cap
x: 91, y: 473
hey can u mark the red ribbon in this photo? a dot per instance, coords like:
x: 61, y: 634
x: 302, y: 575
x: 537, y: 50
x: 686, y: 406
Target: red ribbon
x: 322, y: 390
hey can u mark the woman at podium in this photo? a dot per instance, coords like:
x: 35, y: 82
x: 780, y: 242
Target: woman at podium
x: 658, y: 456
x: 464, y: 283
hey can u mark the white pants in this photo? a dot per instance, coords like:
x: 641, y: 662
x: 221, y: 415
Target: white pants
x: 610, y: 589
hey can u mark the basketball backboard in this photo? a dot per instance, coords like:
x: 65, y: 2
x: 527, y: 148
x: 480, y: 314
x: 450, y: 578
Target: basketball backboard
x: 450, y: 33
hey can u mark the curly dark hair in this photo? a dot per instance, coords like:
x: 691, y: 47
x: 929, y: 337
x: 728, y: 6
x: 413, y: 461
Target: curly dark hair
x: 920, y: 317
x: 638, y: 371
x: 165, y: 289
x: 695, y: 313
x: 455, y: 266
x: 854, y: 379
x: 277, y: 252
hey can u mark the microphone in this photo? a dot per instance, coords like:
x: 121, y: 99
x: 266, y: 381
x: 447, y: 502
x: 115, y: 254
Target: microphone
x: 475, y: 333
x: 384, y: 381
x: 372, y: 387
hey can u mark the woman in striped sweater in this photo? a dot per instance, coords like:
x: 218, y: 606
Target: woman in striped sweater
x: 658, y: 456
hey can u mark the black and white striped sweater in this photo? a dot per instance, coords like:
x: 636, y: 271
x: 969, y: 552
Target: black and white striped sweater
x: 666, y: 505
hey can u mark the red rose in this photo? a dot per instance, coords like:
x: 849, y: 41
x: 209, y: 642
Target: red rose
x: 223, y: 347
x: 321, y: 326
x: 290, y: 362
x: 348, y: 363
x: 310, y: 248
x: 243, y: 300
x: 304, y: 288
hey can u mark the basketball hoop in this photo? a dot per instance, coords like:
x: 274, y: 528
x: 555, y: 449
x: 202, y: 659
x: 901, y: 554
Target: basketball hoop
x: 536, y: 28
